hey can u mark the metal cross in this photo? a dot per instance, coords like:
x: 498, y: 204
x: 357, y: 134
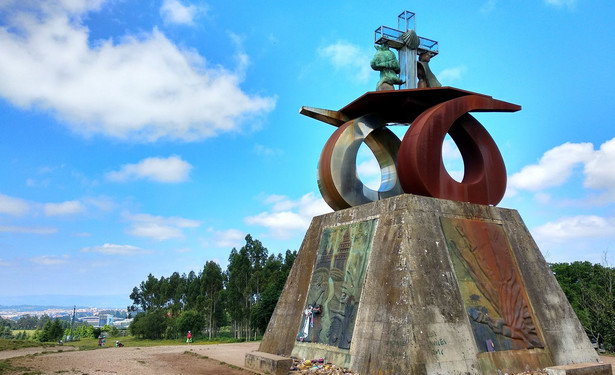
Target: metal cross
x: 407, y: 56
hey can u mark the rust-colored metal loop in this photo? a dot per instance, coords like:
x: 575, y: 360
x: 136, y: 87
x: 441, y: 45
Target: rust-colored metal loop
x: 338, y: 180
x: 419, y: 164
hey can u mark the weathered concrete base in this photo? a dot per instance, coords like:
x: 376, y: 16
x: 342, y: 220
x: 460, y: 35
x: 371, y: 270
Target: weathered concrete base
x: 414, y: 311
x: 268, y: 363
x: 581, y: 369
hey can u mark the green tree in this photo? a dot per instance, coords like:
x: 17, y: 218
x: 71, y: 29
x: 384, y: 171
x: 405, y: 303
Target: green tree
x: 27, y: 322
x: 211, y: 287
x: 238, y: 292
x: 590, y: 289
x: 5, y: 332
x: 150, y: 325
x: 190, y: 320
x: 192, y: 291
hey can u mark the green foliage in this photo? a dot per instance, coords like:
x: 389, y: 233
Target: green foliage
x: 190, y: 320
x: 16, y: 344
x: 246, y: 294
x: 149, y: 325
x: 27, y: 322
x: 52, y: 331
x: 590, y: 289
x: 6, y: 332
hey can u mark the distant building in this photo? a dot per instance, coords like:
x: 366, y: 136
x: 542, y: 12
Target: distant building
x: 122, y: 324
x: 105, y: 319
x: 91, y: 320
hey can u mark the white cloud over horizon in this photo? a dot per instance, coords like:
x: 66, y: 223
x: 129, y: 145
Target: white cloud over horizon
x: 64, y: 208
x: 113, y: 249
x: 28, y: 230
x: 553, y: 168
x: 289, y: 217
x: 13, y: 206
x: 230, y: 238
x: 159, y: 228
x: 50, y: 260
x: 167, y: 170
x: 137, y: 88
x: 579, y: 226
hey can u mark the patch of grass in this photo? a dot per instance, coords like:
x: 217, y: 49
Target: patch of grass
x: 20, y: 344
x: 196, y: 355
x: 6, y: 367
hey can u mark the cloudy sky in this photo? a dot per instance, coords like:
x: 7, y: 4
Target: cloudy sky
x: 146, y: 137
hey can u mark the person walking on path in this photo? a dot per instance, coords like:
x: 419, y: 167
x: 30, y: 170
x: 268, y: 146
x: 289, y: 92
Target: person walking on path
x: 189, y: 337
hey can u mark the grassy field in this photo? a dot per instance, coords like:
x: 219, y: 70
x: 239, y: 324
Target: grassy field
x: 91, y: 343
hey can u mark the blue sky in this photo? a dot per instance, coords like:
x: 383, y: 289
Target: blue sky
x: 146, y: 137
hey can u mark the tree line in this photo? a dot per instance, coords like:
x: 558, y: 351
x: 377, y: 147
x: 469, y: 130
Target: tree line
x: 242, y: 297
x: 590, y: 289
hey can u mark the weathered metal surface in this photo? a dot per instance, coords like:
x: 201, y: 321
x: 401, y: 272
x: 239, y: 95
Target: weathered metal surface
x: 420, y: 167
x: 338, y: 180
x: 493, y: 292
x: 404, y: 106
x: 328, y: 116
x: 433, y: 112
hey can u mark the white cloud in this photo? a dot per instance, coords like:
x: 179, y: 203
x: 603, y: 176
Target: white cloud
x: 136, y: 88
x: 155, y: 231
x: 13, y: 206
x: 112, y: 249
x: 170, y: 170
x: 230, y: 238
x: 173, y: 11
x: 49, y: 260
x: 64, y: 208
x: 349, y: 57
x: 450, y: 75
x: 288, y: 217
x: 450, y: 150
x: 158, y: 227
x: 581, y: 226
x: 554, y: 168
x: 31, y: 230
x: 599, y: 170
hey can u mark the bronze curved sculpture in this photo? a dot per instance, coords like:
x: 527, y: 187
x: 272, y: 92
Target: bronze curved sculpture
x: 417, y: 162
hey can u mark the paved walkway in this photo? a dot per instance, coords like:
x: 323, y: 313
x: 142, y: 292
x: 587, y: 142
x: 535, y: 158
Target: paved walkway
x: 233, y: 354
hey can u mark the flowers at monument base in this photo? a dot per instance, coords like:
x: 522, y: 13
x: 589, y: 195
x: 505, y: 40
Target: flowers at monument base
x: 317, y: 367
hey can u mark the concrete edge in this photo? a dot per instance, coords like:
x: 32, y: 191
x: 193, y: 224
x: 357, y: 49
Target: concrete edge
x: 267, y: 363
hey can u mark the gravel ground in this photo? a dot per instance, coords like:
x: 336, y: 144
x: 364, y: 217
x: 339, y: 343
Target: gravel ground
x: 223, y: 359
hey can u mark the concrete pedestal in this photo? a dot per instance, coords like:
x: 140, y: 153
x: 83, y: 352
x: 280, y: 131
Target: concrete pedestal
x: 417, y: 285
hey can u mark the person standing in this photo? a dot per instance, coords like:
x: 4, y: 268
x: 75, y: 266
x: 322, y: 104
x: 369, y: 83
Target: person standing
x: 189, y: 337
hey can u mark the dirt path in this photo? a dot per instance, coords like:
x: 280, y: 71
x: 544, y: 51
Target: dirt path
x: 223, y: 359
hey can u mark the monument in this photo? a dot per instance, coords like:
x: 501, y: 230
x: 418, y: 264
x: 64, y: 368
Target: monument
x: 424, y: 275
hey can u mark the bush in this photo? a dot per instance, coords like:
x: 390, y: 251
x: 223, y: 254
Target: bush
x: 150, y: 325
x: 190, y: 320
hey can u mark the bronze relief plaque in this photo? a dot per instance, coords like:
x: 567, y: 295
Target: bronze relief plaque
x: 491, y: 287
x: 335, y: 289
